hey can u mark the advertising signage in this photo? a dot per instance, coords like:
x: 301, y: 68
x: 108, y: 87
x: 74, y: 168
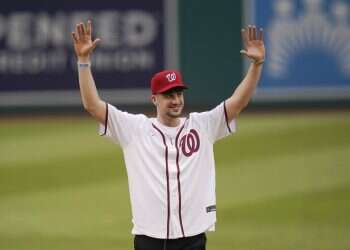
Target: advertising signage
x: 38, y: 64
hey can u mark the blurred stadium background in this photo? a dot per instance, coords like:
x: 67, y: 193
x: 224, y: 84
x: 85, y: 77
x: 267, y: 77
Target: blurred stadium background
x: 283, y: 181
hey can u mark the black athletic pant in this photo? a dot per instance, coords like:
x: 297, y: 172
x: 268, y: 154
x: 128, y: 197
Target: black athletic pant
x: 142, y: 242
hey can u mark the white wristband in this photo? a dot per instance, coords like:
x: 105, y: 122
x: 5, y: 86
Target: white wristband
x: 84, y: 65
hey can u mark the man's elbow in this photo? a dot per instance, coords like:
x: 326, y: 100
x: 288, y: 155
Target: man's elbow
x: 92, y: 104
x: 235, y: 107
x: 88, y: 107
x: 92, y: 109
x: 96, y: 110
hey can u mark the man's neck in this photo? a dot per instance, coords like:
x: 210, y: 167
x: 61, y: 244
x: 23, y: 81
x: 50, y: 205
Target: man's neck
x: 169, y: 121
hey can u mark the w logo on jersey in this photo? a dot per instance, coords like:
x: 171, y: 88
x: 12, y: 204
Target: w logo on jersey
x: 190, y: 143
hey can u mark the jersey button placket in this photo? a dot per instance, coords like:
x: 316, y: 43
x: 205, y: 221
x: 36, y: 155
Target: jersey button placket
x: 174, y: 219
x: 174, y: 203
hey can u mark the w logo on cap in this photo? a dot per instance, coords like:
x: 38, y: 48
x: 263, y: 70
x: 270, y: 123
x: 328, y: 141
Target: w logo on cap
x: 166, y: 80
x: 171, y: 77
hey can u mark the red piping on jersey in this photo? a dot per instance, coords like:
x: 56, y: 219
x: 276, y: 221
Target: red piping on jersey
x: 227, y: 123
x: 178, y: 177
x: 167, y: 179
x: 106, y: 121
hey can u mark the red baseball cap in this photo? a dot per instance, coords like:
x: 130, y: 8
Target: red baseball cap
x: 166, y: 80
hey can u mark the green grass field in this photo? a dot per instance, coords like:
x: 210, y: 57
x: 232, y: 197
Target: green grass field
x: 283, y: 182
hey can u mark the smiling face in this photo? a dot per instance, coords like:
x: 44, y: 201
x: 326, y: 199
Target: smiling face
x: 170, y: 103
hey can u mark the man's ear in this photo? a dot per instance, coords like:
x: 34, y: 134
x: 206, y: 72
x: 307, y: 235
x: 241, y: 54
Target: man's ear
x: 154, y: 100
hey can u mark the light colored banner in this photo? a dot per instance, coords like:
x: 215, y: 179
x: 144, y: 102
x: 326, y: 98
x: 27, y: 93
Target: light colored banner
x: 308, y: 49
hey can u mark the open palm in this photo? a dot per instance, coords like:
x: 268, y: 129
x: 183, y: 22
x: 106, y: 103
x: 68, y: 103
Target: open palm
x: 253, y: 44
x: 83, y: 44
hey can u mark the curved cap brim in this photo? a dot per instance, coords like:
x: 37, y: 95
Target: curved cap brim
x: 171, y: 86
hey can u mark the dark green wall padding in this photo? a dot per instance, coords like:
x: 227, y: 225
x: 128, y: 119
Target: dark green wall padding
x: 209, y: 45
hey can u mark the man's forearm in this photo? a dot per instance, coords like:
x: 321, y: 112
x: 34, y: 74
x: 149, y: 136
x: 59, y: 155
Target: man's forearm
x: 87, y: 85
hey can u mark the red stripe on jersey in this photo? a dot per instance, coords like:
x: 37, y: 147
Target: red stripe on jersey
x: 227, y: 123
x: 167, y: 178
x: 106, y: 121
x: 178, y: 177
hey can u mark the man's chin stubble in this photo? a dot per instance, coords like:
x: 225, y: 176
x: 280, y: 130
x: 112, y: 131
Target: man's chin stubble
x: 172, y: 115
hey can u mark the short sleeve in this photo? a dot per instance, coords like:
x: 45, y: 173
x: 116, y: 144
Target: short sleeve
x: 216, y: 123
x: 120, y: 126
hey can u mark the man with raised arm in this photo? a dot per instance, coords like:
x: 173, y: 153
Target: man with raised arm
x: 169, y: 159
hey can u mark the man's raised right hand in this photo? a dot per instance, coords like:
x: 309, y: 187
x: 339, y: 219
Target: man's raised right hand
x: 83, y: 44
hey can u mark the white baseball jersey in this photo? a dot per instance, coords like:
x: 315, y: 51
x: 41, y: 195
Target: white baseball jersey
x: 171, y: 170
